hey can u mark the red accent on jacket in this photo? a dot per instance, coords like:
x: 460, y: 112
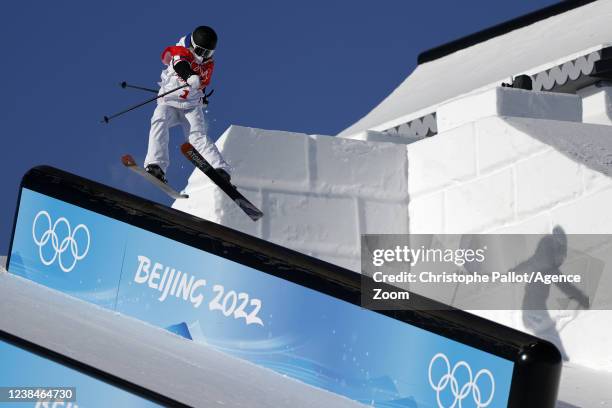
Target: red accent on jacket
x: 204, y: 69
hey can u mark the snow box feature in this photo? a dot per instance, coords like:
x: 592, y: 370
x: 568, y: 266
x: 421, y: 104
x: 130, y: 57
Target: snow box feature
x: 263, y: 303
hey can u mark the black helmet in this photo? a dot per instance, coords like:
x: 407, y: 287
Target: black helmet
x: 204, y: 41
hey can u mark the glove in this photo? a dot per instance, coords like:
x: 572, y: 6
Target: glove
x: 194, y: 82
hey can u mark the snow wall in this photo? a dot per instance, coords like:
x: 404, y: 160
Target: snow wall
x: 503, y: 161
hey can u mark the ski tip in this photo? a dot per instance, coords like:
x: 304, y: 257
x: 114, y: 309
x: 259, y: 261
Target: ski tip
x: 128, y: 160
x: 186, y: 147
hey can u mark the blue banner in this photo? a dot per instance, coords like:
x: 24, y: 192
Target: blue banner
x: 36, y: 372
x: 296, y: 331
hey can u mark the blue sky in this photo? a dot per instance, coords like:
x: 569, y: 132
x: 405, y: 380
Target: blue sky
x: 313, y: 67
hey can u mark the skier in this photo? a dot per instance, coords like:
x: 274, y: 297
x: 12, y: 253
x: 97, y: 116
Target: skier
x: 189, y: 61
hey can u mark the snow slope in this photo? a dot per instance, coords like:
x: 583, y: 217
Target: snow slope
x: 584, y: 388
x: 145, y: 355
x: 529, y: 49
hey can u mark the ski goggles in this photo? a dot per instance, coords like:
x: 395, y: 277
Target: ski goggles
x: 202, y: 52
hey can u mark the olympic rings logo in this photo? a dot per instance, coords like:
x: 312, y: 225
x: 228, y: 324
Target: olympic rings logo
x: 460, y: 393
x: 50, y: 237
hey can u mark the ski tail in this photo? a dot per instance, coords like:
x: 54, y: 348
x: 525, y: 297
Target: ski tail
x: 129, y: 162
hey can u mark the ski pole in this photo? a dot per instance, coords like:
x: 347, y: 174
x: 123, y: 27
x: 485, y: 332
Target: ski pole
x: 107, y: 119
x: 142, y: 88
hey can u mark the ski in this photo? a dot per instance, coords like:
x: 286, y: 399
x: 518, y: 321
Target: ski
x: 197, y: 160
x: 128, y: 161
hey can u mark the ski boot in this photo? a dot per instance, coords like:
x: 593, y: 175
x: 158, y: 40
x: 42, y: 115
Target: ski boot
x: 157, y: 172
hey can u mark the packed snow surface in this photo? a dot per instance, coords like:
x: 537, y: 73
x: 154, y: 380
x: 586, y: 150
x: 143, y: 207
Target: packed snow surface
x: 145, y: 355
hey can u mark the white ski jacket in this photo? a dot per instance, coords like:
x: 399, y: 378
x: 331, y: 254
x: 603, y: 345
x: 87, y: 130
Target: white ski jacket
x: 177, y: 57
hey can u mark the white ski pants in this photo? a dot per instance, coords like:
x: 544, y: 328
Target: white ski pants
x: 194, y: 127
